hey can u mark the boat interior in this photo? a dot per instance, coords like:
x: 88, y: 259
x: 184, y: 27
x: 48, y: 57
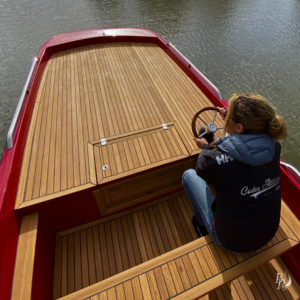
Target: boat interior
x: 104, y: 213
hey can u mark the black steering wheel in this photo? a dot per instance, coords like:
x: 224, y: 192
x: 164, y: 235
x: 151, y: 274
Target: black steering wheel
x: 209, y: 129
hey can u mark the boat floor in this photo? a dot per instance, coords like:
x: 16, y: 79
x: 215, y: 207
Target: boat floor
x: 110, y: 91
x: 94, y: 251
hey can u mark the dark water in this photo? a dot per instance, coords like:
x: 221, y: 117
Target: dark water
x: 240, y: 45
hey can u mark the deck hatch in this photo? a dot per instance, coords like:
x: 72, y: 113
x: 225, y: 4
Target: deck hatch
x: 136, y: 151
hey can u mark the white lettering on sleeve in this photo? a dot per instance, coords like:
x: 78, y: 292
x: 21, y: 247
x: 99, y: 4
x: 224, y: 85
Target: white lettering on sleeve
x: 228, y: 157
x: 220, y: 159
x: 224, y: 158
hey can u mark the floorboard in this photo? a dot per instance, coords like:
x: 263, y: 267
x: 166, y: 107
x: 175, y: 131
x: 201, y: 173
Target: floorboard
x: 91, y: 254
x: 120, y: 242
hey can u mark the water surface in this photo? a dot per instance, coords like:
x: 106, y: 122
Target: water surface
x: 240, y: 45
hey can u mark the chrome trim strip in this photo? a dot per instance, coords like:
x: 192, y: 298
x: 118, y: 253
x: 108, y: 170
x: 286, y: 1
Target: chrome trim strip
x: 13, y: 123
x: 291, y: 167
x: 190, y: 64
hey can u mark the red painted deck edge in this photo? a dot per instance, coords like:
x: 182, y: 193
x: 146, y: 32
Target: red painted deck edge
x: 290, y: 193
x: 12, y: 159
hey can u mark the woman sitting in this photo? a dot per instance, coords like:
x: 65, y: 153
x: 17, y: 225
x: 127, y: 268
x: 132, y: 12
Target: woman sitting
x: 244, y: 170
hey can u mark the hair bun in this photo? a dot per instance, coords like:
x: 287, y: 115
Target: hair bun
x: 277, y: 128
x: 257, y: 115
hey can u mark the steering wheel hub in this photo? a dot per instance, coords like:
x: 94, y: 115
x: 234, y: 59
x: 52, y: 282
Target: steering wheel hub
x: 212, y: 127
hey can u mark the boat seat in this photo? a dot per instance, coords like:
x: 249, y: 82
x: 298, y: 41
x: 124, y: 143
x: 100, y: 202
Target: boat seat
x: 192, y: 270
x: 259, y: 284
x: 24, y: 265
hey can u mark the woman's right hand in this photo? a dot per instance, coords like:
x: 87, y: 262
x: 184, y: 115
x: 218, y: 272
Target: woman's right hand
x: 200, y: 142
x: 222, y: 112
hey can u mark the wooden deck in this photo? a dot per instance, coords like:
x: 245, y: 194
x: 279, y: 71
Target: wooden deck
x: 259, y: 284
x: 105, y: 91
x: 143, y: 237
x: 93, y: 252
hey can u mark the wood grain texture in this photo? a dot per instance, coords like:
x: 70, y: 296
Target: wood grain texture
x: 23, y: 177
x: 186, y: 285
x: 140, y: 150
x: 59, y: 194
x: 112, y: 245
x: 129, y: 192
x: 24, y: 265
x: 105, y: 91
x: 196, y: 268
x: 259, y: 284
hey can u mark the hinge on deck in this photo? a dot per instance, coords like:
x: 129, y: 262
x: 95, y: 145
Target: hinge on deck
x: 103, y: 142
x: 164, y: 126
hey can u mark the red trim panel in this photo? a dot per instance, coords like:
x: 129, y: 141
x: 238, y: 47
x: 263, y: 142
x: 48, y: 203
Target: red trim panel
x: 290, y: 193
x: 9, y: 233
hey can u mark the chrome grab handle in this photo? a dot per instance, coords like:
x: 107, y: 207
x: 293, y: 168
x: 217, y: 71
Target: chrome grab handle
x: 291, y: 167
x: 190, y: 64
x: 13, y: 123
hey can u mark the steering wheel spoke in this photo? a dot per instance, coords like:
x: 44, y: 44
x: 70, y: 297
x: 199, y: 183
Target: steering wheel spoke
x: 214, y: 116
x: 202, y: 120
x: 203, y: 134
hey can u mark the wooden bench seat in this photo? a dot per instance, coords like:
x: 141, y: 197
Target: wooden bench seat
x: 23, y: 274
x: 259, y: 284
x: 192, y: 270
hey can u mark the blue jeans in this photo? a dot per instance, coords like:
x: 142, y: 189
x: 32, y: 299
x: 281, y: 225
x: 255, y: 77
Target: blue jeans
x: 201, y: 198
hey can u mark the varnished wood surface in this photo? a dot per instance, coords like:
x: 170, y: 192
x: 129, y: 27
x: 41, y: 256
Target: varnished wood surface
x: 91, y: 253
x: 97, y: 92
x: 23, y: 273
x: 132, y: 152
x: 259, y: 284
x: 132, y: 191
x: 171, y: 262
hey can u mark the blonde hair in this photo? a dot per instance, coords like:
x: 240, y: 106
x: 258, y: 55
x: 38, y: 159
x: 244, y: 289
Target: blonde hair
x: 257, y: 115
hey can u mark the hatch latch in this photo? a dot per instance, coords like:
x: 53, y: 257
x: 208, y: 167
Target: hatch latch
x: 164, y: 126
x: 103, y: 142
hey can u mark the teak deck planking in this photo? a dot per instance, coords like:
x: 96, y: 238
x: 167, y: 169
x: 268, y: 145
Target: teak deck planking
x: 102, y: 91
x: 143, y: 237
x: 258, y: 284
x: 115, y: 244
x: 138, y: 149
